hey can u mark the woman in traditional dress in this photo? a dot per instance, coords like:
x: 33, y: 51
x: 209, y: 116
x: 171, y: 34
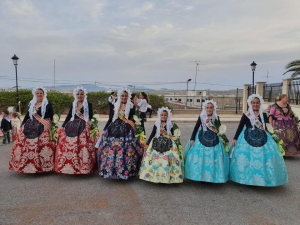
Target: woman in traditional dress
x: 75, y: 151
x: 161, y: 162
x: 256, y: 158
x: 33, y: 151
x: 205, y: 156
x: 281, y: 117
x: 119, y: 152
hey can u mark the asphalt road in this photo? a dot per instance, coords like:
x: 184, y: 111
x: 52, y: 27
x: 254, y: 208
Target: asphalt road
x: 88, y: 199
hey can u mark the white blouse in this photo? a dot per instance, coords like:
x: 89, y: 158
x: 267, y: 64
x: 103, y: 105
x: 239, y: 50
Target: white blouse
x: 143, y: 105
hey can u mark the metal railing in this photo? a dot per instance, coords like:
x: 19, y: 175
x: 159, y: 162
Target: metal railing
x: 294, y: 92
x: 271, y: 91
x: 251, y: 90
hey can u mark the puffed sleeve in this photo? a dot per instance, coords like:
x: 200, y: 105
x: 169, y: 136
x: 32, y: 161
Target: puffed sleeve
x: 69, y: 116
x: 152, y: 135
x: 272, y: 111
x: 91, y: 113
x: 131, y: 113
x: 241, y: 126
x: 196, y: 128
x: 50, y: 111
x: 25, y: 118
x: 172, y: 131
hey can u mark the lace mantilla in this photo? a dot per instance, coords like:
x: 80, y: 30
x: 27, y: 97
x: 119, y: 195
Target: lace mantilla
x: 252, y: 116
x: 117, y: 104
x: 203, y: 114
x: 169, y: 124
x: 32, y: 103
x: 85, y: 103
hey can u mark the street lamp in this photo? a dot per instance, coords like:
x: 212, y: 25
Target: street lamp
x: 187, y: 90
x: 15, y: 62
x: 253, y: 66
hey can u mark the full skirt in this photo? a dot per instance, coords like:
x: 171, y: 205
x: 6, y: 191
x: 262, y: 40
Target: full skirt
x: 76, y: 155
x: 119, y: 153
x: 259, y: 166
x: 290, y: 136
x: 34, y: 154
x: 208, y: 164
x: 162, y: 167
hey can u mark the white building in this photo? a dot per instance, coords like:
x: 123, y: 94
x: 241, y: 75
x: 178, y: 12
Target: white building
x: 191, y: 98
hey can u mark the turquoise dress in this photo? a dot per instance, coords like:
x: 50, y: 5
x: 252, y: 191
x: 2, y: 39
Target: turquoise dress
x: 256, y: 159
x: 206, y: 160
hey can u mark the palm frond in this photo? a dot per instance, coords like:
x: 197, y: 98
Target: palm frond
x: 292, y: 63
x: 295, y: 75
x: 295, y: 69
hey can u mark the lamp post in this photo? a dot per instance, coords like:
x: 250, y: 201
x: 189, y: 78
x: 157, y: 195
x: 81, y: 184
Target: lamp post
x: 15, y: 62
x: 253, y: 66
x: 187, y: 90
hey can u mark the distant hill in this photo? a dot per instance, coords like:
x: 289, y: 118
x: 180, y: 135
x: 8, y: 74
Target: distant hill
x: 91, y: 87
x: 88, y: 87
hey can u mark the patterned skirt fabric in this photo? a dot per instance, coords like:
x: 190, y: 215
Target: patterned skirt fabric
x: 75, y: 154
x: 32, y: 152
x: 258, y: 166
x: 120, y: 153
x: 290, y: 136
x: 161, y: 165
x: 208, y: 163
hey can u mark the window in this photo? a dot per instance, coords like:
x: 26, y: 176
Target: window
x: 179, y: 99
x: 198, y: 100
x: 170, y: 99
x: 175, y: 98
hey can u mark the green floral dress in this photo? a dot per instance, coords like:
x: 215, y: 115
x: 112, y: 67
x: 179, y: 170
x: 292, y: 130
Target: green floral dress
x: 162, y: 162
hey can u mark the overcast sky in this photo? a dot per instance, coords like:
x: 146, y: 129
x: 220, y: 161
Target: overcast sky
x: 147, y: 42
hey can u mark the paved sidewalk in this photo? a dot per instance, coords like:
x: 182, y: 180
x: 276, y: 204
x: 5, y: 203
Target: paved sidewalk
x: 60, y: 199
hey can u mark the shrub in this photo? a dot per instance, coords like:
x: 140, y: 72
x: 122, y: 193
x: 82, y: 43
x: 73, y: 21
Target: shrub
x: 9, y: 99
x: 63, y: 101
x: 157, y: 101
x: 99, y: 101
x: 60, y: 101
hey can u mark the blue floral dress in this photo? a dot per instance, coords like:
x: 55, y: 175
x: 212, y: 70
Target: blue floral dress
x: 256, y: 159
x: 206, y: 160
x: 119, y: 153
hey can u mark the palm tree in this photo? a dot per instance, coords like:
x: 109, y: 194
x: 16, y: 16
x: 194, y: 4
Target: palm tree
x: 294, y: 67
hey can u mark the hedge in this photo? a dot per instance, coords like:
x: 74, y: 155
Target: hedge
x: 157, y: 101
x: 62, y: 101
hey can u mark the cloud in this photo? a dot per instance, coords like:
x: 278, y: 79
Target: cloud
x: 135, y: 24
x: 121, y: 27
x: 91, y: 37
x: 188, y: 8
x: 21, y: 9
x: 147, y: 6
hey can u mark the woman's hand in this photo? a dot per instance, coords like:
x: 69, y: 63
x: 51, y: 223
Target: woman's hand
x: 192, y: 142
x: 233, y: 142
